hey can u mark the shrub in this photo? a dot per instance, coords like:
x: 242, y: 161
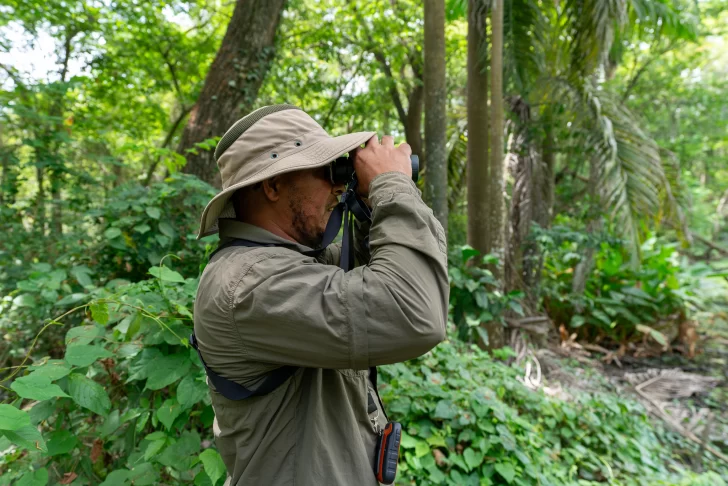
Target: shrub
x: 621, y: 301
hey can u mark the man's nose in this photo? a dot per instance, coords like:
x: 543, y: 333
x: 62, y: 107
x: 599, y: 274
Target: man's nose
x: 338, y: 189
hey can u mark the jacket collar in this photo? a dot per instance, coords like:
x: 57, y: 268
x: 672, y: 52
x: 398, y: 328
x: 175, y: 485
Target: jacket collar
x: 231, y: 228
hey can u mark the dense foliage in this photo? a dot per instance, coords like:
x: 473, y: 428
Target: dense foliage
x: 127, y: 404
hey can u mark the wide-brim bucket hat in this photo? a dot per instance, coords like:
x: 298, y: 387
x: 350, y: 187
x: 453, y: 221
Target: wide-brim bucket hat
x: 270, y: 141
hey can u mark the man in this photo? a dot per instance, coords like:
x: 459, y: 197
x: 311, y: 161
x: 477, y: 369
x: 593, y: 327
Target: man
x: 260, y: 309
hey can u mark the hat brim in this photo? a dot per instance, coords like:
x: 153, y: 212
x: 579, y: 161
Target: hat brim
x: 316, y: 155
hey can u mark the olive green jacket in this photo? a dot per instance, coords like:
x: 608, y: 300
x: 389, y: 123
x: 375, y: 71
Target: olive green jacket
x: 263, y: 307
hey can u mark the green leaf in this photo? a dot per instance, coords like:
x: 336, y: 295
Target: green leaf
x: 445, y: 409
x: 191, y: 391
x: 422, y: 448
x: 13, y: 419
x: 120, y: 477
x: 88, y: 394
x: 165, y: 370
x: 53, y: 369
x: 36, y: 387
x: 165, y: 274
x: 112, y: 233
x: 81, y: 274
x: 408, y: 442
x: 27, y: 437
x: 213, y: 464
x: 134, y: 326
x: 142, y: 228
x: 468, y: 252
x: 169, y: 411
x: 85, y: 355
x: 61, y: 442
x: 472, y: 459
x: 71, y: 299
x: 144, y: 474
x: 42, y: 411
x: 100, y: 312
x: 166, y: 229
x: 38, y: 477
x: 506, y: 470
x: 516, y: 306
x: 154, y: 213
x: 155, y: 436
x: 577, y: 321
x: 656, y: 335
x: 154, y: 447
x: 81, y: 335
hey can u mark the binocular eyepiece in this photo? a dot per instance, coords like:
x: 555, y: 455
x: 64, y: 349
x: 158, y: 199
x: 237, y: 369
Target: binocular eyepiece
x: 342, y: 169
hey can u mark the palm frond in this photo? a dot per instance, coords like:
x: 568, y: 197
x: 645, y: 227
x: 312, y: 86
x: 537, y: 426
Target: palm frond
x: 630, y: 173
x: 590, y: 26
x: 524, y: 27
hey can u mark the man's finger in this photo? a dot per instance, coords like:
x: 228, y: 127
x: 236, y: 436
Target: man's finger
x: 405, y: 148
x: 388, y: 141
x: 373, y: 141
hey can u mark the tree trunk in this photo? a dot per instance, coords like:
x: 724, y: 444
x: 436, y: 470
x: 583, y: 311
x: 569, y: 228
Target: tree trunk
x: 436, y: 109
x: 478, y: 170
x: 477, y: 108
x: 56, y: 181
x: 413, y: 123
x: 40, y: 210
x: 232, y: 84
x: 496, y: 202
x: 584, y: 268
x: 496, y: 181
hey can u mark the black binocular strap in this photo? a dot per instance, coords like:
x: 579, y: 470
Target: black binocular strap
x: 235, y: 391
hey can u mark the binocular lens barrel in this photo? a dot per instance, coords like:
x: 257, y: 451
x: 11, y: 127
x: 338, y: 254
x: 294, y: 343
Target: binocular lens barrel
x: 342, y: 169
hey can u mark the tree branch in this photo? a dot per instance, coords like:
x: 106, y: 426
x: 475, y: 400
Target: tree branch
x: 341, y: 91
x: 170, y: 134
x: 173, y: 73
x: 642, y: 69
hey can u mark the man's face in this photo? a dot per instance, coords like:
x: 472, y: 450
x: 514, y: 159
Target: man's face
x: 311, y: 197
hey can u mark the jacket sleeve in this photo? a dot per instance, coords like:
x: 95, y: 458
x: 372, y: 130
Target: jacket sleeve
x: 295, y: 311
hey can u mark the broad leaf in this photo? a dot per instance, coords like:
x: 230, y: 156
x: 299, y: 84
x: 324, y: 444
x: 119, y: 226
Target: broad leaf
x: 445, y: 409
x: 212, y: 462
x: 165, y: 274
x: 472, y: 459
x: 169, y: 411
x: 36, y: 387
x: 100, y: 312
x: 39, y: 477
x: 52, y: 369
x: 27, y: 437
x: 154, y: 213
x: 82, y: 334
x: 506, y: 470
x: 88, y: 394
x: 12, y: 419
x: 191, y: 391
x: 85, y: 355
x: 112, y: 233
x: 61, y: 442
x: 165, y: 370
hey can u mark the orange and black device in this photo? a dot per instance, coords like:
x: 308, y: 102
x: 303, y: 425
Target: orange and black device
x: 388, y: 452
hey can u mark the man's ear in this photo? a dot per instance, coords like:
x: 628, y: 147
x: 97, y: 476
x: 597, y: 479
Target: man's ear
x: 272, y: 188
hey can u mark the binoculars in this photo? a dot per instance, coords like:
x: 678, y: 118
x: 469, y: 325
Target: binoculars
x: 341, y: 171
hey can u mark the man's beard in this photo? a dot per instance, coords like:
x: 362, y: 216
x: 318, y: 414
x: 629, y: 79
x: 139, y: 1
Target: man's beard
x: 311, y: 237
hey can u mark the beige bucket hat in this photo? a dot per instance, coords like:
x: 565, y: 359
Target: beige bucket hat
x: 270, y: 141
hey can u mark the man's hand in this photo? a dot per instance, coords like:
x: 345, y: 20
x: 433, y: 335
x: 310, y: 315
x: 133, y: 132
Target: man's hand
x: 376, y: 158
